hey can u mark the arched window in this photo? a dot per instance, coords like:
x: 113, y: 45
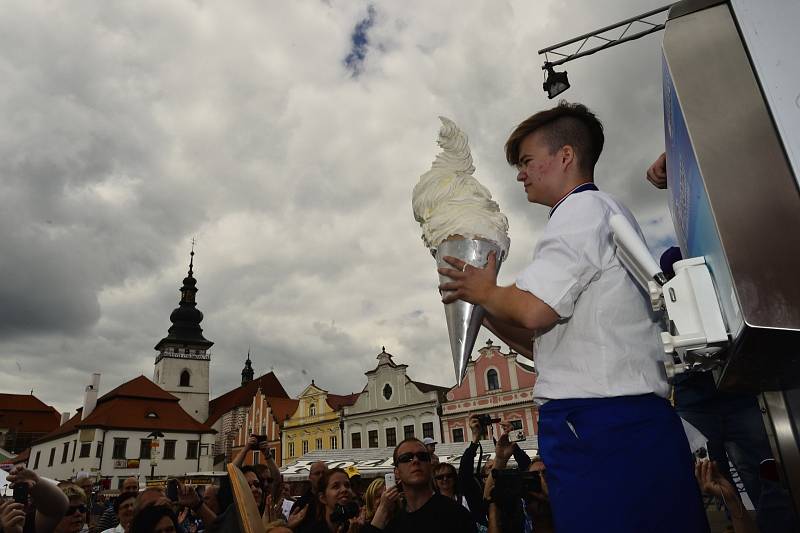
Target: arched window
x: 312, y: 409
x: 491, y: 379
x: 185, y: 377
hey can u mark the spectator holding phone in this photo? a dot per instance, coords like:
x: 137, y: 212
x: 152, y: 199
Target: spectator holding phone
x: 270, y: 479
x: 425, y: 510
x: 336, y: 510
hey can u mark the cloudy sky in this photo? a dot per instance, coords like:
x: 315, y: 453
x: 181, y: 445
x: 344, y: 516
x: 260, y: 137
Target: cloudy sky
x: 286, y: 137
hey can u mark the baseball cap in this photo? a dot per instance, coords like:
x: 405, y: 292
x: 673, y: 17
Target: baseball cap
x: 427, y: 441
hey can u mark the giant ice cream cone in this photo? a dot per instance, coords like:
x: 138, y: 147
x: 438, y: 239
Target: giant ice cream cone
x: 463, y: 318
x: 459, y: 219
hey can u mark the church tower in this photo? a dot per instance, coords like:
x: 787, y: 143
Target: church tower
x: 247, y: 371
x: 182, y: 363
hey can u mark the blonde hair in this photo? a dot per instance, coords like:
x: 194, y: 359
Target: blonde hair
x: 73, y: 491
x: 371, y: 500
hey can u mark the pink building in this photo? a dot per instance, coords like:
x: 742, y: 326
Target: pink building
x: 496, y: 384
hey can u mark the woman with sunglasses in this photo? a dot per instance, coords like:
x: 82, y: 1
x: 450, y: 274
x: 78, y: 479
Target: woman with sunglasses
x: 76, y: 517
x: 445, y: 479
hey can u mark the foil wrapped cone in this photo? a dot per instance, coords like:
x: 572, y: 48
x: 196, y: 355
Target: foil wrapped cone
x: 463, y: 318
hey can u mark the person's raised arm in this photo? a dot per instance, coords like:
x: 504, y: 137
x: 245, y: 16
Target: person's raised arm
x: 274, y: 472
x: 50, y: 502
x: 657, y: 173
x: 252, y: 444
x: 188, y: 497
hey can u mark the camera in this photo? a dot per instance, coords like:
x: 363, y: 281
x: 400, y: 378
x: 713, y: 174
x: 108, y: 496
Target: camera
x: 21, y: 493
x: 343, y: 513
x: 487, y: 420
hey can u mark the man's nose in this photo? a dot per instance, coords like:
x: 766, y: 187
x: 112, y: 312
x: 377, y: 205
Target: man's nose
x: 522, y: 175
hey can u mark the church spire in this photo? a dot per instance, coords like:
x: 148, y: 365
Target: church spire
x: 185, y: 330
x: 247, y: 371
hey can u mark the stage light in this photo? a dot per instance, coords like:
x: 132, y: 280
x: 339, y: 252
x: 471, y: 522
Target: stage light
x: 556, y: 82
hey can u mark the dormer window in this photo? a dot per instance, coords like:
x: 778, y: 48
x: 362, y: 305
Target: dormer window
x: 151, y: 414
x: 312, y: 409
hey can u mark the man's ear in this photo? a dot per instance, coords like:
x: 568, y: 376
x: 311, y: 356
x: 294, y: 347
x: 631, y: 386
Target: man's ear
x: 567, y: 156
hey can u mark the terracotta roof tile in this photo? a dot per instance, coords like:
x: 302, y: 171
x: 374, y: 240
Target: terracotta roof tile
x: 243, y: 396
x: 128, y: 406
x: 337, y: 401
x: 23, y: 402
x: 282, y: 408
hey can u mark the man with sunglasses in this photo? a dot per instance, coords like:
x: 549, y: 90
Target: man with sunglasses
x: 424, y: 510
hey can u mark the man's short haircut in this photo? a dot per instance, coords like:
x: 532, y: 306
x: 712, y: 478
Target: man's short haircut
x: 404, y: 441
x: 565, y: 124
x: 252, y: 468
x: 122, y: 498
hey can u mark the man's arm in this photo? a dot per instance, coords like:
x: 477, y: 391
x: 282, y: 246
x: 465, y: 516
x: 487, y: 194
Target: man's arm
x: 518, y: 339
x: 505, y: 304
x: 274, y: 473
x: 252, y: 444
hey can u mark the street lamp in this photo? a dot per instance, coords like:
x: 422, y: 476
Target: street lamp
x: 154, y: 436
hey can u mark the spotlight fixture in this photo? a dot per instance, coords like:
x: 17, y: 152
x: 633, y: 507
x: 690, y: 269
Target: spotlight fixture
x: 556, y: 82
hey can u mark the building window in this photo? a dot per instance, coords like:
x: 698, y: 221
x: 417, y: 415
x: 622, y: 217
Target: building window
x: 458, y: 435
x: 372, y: 435
x: 516, y: 424
x: 99, y: 452
x: 391, y: 437
x: 52, y: 457
x: 185, y: 377
x: 312, y: 409
x: 74, y: 447
x: 319, y: 443
x: 86, y: 449
x: 305, y: 447
x: 334, y: 443
x: 492, y: 381
x: 291, y: 449
x: 192, y: 449
x: 256, y: 457
x: 356, y: 437
x: 408, y: 432
x: 65, y: 452
x: 36, y: 461
x: 387, y: 391
x: 169, y: 449
x: 120, y: 449
x: 144, y: 448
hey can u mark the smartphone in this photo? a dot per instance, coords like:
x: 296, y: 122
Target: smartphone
x: 516, y: 435
x: 172, y: 490
x: 21, y: 493
x: 389, y: 480
x: 260, y: 438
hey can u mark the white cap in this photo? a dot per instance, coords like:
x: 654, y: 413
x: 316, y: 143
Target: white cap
x: 427, y: 441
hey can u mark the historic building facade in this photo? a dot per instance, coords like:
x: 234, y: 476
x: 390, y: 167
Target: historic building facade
x: 316, y: 422
x: 113, y: 437
x: 264, y: 418
x: 496, y: 384
x: 392, y: 407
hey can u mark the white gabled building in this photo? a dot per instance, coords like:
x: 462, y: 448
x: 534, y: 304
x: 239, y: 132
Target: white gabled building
x: 110, y: 437
x: 392, y: 407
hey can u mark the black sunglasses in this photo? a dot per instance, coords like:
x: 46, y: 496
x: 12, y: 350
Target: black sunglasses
x: 442, y: 477
x: 72, y: 508
x: 423, y: 457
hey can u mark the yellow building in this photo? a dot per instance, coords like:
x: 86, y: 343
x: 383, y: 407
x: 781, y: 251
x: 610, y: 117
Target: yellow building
x: 315, y: 423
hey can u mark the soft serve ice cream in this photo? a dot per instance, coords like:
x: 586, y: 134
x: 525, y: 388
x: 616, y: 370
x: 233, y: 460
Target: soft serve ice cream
x: 449, y: 202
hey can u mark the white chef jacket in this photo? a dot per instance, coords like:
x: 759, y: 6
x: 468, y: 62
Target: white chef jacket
x: 607, y: 340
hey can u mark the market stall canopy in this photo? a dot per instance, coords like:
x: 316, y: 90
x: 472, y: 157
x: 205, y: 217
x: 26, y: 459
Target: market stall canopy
x: 373, y: 462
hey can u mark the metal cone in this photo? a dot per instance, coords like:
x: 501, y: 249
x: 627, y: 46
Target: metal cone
x: 464, y: 319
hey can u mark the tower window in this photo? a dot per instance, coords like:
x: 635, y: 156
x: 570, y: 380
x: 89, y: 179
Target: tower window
x: 491, y: 379
x: 185, y: 377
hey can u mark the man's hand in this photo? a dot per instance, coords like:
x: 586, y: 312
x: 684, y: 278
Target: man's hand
x: 476, y: 428
x: 187, y: 496
x: 20, y: 474
x: 252, y: 443
x: 12, y: 517
x: 712, y: 482
x: 297, y: 517
x: 386, y: 508
x: 471, y: 284
x: 503, y: 451
x: 657, y: 173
